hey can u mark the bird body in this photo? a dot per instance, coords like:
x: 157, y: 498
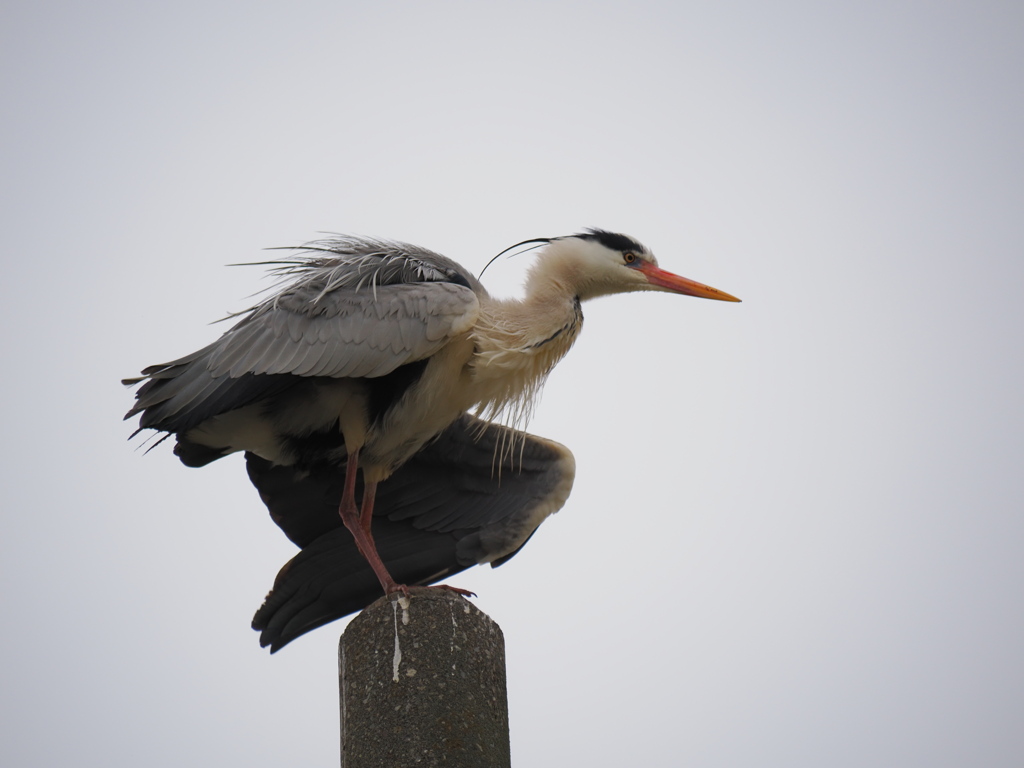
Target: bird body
x: 365, y: 362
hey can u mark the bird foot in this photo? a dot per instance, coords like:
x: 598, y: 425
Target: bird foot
x: 403, y: 589
x: 456, y: 590
x: 395, y: 589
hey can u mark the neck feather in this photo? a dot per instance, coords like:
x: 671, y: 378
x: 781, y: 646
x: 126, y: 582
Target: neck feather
x: 517, y: 344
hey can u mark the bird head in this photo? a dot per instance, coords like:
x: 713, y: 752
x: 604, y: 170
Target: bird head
x: 599, y: 263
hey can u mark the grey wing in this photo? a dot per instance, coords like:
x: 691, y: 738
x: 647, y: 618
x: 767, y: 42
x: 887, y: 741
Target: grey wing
x: 366, y: 331
x: 453, y: 505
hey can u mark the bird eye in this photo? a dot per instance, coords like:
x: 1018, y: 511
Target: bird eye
x: 629, y: 257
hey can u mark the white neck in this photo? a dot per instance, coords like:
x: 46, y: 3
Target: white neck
x: 517, y: 343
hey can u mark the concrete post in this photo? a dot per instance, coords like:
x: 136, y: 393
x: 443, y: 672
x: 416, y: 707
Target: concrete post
x: 423, y: 684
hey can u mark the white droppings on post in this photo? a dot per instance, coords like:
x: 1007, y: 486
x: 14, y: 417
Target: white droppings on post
x: 404, y: 602
x: 397, y: 660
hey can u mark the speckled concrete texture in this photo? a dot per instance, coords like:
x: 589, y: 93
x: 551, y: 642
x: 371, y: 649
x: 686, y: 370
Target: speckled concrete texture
x: 423, y: 684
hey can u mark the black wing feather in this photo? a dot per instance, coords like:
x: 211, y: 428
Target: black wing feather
x: 451, y: 506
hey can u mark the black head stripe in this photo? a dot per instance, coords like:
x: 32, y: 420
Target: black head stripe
x: 613, y: 240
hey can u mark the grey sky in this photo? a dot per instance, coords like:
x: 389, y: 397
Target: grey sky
x: 796, y: 529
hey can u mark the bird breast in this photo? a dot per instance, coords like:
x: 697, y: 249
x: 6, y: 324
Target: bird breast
x: 516, y: 344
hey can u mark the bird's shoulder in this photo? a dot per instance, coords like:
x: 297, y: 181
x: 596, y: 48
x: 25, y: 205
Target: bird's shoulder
x: 342, y: 264
x: 351, y: 308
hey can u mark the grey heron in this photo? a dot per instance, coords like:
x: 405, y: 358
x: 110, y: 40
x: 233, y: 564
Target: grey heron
x: 350, y: 388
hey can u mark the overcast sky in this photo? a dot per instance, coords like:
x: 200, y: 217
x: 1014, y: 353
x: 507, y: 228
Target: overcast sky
x: 796, y: 532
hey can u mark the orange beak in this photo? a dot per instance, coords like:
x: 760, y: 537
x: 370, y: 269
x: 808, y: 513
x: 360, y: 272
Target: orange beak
x: 677, y: 284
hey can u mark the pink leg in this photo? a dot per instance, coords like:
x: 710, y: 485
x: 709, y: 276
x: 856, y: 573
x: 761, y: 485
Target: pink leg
x: 366, y: 513
x: 359, y: 524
